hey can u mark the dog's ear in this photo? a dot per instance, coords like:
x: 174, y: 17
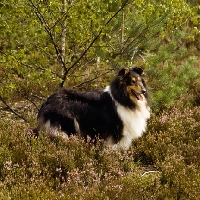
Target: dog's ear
x: 138, y: 70
x: 123, y: 72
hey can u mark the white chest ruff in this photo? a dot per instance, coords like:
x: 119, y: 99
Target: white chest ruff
x: 134, y: 122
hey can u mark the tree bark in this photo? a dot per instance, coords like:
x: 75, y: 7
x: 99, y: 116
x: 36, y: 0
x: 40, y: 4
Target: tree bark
x: 63, y: 35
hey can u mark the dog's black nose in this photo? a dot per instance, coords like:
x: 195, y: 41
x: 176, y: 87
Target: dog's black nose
x: 143, y: 90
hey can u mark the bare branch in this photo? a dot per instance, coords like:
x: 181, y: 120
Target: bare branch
x: 9, y: 107
x: 93, y: 41
x: 149, y: 172
x: 11, y: 110
x: 56, y: 46
x: 49, y: 32
x: 62, y: 18
x: 32, y: 66
x: 96, y: 77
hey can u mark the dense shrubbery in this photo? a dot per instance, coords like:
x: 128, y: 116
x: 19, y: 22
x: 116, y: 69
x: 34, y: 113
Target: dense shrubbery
x: 163, y: 164
x: 35, y: 35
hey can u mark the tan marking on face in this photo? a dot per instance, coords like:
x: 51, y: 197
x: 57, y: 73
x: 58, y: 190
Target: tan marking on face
x: 131, y: 96
x: 139, y: 79
x: 136, y: 89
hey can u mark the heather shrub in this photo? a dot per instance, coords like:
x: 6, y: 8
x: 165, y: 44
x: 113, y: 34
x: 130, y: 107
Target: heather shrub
x: 52, y: 168
x: 179, y: 180
x: 177, y: 127
x: 172, y: 144
x: 163, y: 164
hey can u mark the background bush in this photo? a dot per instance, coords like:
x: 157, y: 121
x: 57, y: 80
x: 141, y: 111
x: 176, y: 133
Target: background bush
x: 47, y: 44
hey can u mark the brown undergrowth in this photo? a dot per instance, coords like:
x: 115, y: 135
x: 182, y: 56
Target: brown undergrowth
x: 163, y: 164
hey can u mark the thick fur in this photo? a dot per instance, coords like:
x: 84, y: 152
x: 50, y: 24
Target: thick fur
x: 117, y: 114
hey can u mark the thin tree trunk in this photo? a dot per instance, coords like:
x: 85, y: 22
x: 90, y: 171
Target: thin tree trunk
x: 63, y: 34
x: 122, y: 33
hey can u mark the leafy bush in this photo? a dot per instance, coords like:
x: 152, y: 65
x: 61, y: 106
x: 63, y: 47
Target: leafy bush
x: 34, y: 38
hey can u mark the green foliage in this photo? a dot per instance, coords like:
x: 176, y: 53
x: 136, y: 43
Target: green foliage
x: 170, y: 78
x: 31, y: 45
x: 23, y: 69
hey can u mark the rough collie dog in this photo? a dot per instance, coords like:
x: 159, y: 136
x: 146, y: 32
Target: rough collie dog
x: 118, y: 114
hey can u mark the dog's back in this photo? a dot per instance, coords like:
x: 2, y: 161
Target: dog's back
x: 90, y: 114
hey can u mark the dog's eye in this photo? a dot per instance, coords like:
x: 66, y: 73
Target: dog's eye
x: 133, y: 80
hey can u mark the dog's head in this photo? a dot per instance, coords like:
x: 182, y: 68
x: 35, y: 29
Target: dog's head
x: 132, y: 82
